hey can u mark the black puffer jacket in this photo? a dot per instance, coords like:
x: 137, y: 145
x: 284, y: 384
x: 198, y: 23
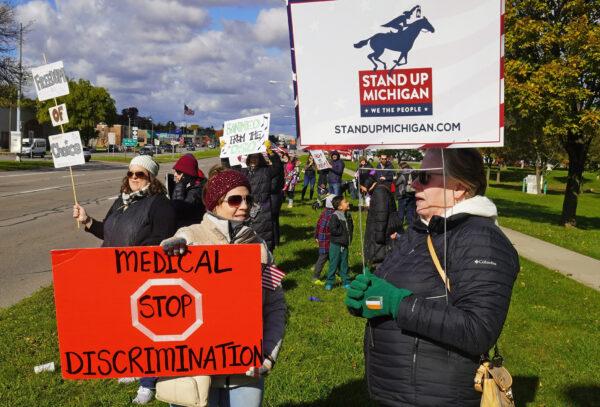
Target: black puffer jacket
x: 382, y: 222
x: 187, y: 201
x: 428, y: 355
x: 260, y: 182
x: 146, y: 222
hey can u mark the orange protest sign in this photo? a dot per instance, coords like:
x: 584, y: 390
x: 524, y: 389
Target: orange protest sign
x: 135, y: 312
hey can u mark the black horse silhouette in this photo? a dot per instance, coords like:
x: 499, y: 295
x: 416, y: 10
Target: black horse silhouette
x: 401, y: 41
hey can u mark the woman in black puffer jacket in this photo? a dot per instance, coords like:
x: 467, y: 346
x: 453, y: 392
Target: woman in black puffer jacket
x: 260, y: 181
x: 383, y: 225
x: 423, y: 344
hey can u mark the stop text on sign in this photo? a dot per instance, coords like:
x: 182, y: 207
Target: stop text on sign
x: 168, y: 309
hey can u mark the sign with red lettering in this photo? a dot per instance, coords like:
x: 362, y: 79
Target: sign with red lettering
x: 137, y: 312
x: 397, y: 73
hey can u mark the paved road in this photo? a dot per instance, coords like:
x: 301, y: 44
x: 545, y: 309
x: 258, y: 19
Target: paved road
x: 35, y: 217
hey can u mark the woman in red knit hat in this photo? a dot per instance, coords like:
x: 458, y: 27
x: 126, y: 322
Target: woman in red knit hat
x: 187, y: 194
x: 228, y: 201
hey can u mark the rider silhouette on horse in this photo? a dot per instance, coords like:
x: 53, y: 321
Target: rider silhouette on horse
x: 401, y: 41
x: 401, y: 22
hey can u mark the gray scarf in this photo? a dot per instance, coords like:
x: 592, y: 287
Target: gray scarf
x: 128, y: 199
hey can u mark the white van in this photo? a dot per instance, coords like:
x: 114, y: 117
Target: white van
x: 37, y: 147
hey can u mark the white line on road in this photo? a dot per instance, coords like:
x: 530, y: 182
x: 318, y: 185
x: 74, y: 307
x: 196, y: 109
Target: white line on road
x: 56, y: 187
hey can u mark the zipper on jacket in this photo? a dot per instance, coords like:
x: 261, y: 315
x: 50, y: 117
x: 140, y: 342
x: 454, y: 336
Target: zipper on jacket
x: 413, y: 376
x: 372, y: 343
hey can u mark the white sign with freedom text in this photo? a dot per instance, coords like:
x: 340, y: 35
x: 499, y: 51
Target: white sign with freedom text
x: 66, y: 149
x: 50, y: 81
x: 398, y: 72
x: 320, y: 159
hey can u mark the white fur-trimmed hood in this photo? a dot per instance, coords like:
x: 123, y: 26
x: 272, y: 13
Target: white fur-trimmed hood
x: 478, y: 205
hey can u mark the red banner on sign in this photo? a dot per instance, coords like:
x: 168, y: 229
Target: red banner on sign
x: 135, y: 312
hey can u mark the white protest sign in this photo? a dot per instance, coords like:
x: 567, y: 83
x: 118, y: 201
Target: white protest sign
x: 50, y: 81
x: 404, y: 73
x: 112, y: 138
x: 67, y: 149
x: 320, y: 159
x: 245, y: 136
x: 134, y: 133
x: 58, y: 115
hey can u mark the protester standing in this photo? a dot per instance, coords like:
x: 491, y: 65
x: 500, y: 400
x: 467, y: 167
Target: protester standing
x: 228, y: 201
x: 405, y: 194
x: 186, y: 197
x: 365, y: 180
x: 383, y: 173
x: 423, y: 343
x: 310, y: 176
x: 341, y: 229
x: 277, y: 181
x: 291, y: 178
x: 382, y: 226
x: 141, y: 216
x: 334, y: 175
x: 259, y: 175
x: 322, y: 237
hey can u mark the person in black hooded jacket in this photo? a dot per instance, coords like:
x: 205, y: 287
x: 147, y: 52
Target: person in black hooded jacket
x: 382, y: 226
x: 186, y: 197
x: 277, y: 181
x: 259, y: 175
x: 426, y: 334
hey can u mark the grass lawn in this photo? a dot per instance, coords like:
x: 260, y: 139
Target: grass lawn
x: 549, y: 344
x: 160, y: 158
x: 24, y: 165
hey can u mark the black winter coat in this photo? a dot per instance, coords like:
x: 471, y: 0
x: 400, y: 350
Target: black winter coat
x: 187, y: 201
x: 382, y: 222
x: 340, y: 232
x: 334, y: 176
x: 388, y: 175
x: 262, y: 222
x: 146, y: 222
x: 277, y: 174
x: 428, y: 355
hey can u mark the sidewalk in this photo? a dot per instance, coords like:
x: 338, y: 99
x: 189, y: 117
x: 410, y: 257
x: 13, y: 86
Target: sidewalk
x: 579, y: 267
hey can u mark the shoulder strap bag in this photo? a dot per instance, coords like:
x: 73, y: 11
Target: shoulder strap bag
x: 492, y: 379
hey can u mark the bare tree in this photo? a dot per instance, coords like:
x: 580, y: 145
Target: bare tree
x: 9, y: 37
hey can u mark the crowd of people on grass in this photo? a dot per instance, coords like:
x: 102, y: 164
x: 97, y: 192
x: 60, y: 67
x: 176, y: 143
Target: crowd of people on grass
x: 428, y: 321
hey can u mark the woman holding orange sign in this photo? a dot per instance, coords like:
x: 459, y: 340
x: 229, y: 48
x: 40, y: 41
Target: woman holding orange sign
x: 228, y: 200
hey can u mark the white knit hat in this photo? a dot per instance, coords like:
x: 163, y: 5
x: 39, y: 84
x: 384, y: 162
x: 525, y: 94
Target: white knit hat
x: 145, y: 161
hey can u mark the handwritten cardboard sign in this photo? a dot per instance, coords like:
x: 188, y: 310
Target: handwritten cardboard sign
x: 404, y: 74
x: 59, y: 115
x: 320, y: 159
x: 66, y: 149
x: 50, y: 81
x: 137, y: 312
x: 245, y: 136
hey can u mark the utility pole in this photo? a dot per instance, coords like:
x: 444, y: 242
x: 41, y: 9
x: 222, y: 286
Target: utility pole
x: 20, y: 76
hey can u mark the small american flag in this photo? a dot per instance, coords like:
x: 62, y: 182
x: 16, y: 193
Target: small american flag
x: 187, y: 111
x: 271, y: 277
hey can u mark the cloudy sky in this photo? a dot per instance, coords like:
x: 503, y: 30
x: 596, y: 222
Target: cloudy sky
x: 217, y: 56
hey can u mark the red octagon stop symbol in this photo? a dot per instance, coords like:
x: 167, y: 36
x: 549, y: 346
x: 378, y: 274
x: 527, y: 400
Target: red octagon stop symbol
x: 168, y: 309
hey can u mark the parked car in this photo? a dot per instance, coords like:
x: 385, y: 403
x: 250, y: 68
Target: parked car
x: 87, y: 154
x: 36, y: 147
x: 146, y: 150
x: 168, y: 148
x: 190, y: 147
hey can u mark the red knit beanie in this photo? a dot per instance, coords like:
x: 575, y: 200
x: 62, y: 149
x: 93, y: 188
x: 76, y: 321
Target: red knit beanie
x: 187, y: 164
x: 219, y: 184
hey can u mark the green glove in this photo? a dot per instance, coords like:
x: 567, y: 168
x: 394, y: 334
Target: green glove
x: 370, y: 296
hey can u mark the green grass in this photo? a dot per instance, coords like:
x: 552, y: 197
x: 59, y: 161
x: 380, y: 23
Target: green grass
x: 24, y: 165
x: 160, y: 158
x: 550, y: 340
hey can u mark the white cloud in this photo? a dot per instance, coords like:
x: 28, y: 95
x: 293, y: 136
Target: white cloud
x: 159, y: 54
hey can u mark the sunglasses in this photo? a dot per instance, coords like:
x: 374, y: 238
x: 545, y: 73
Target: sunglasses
x: 235, y: 201
x: 424, y: 176
x: 138, y: 174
